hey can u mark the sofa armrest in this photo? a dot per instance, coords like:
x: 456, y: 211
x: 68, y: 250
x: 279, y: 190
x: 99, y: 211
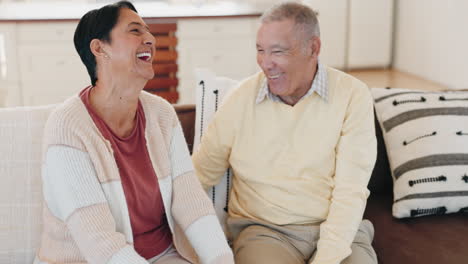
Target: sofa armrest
x: 186, y: 114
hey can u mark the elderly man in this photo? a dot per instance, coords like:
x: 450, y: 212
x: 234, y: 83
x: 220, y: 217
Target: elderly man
x: 299, y: 137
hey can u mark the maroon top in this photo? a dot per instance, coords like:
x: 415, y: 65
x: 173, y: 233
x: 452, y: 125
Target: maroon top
x: 151, y: 233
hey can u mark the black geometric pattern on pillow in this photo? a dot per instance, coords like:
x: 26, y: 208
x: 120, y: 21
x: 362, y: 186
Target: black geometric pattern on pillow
x: 425, y: 182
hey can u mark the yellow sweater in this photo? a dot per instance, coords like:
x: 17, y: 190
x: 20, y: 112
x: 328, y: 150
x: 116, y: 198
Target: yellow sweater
x: 304, y: 164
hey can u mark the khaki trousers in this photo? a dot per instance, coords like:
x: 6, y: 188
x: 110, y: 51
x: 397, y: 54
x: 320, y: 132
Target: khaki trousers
x: 258, y: 242
x: 169, y: 256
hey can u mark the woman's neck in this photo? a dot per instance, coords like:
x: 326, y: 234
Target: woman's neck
x: 116, y: 105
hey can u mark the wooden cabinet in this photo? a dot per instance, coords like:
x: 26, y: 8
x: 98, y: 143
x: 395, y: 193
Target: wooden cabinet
x: 370, y: 34
x: 50, y: 69
x: 9, y: 79
x: 224, y: 45
x: 332, y: 19
x: 44, y: 68
x: 165, y: 65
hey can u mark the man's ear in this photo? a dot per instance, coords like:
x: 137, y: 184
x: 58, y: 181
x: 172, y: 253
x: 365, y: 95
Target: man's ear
x: 316, y: 44
x: 96, y: 47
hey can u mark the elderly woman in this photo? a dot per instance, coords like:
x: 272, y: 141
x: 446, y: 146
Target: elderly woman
x: 118, y: 181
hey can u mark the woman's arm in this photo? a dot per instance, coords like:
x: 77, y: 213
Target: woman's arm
x: 74, y: 195
x: 192, y: 209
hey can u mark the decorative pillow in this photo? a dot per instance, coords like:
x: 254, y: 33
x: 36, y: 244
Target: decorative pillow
x: 426, y: 136
x: 210, y: 92
x: 21, y: 131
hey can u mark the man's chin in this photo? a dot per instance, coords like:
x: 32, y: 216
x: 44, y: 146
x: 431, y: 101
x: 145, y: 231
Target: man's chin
x: 276, y: 90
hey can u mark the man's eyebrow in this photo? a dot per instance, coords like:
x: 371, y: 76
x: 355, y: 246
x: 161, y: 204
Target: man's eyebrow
x: 277, y: 46
x: 139, y: 24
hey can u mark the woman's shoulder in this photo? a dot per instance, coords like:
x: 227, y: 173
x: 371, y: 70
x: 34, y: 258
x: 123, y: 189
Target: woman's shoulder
x: 65, y: 121
x: 157, y: 107
x: 70, y: 111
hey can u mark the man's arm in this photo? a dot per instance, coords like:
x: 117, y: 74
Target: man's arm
x: 211, y: 159
x: 355, y: 157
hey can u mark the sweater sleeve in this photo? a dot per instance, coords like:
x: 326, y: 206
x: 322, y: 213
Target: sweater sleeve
x: 355, y: 158
x: 211, y: 159
x: 192, y: 209
x: 73, y: 194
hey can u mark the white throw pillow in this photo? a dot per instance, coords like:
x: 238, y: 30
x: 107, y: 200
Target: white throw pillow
x: 21, y: 131
x: 426, y: 136
x: 211, y: 91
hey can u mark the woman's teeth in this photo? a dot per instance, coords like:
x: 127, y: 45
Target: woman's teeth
x: 146, y: 56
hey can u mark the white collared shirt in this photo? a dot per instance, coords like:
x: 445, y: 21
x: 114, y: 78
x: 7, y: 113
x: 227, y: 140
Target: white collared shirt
x: 319, y: 85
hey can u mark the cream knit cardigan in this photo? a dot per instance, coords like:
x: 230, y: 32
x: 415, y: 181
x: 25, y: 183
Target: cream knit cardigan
x: 85, y: 214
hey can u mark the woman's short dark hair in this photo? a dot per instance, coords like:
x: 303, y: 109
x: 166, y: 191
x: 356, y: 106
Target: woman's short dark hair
x: 96, y: 24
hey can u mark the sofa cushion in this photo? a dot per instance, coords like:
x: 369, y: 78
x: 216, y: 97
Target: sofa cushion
x: 210, y: 92
x: 21, y: 131
x: 381, y: 178
x: 430, y: 239
x: 426, y: 137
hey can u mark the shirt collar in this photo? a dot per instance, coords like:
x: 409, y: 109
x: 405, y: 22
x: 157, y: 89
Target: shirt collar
x: 319, y: 85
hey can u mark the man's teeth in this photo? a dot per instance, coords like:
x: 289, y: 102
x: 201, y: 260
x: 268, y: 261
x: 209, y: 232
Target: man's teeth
x: 274, y: 76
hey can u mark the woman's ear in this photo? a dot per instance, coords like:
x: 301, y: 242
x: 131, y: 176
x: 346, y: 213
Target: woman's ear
x: 96, y: 47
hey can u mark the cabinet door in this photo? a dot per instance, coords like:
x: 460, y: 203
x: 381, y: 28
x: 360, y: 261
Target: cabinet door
x: 332, y: 20
x: 224, y: 45
x: 370, y: 33
x: 50, y: 68
x: 9, y: 77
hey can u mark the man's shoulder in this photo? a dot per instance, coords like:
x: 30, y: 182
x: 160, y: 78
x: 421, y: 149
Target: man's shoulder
x: 335, y: 74
x: 344, y: 84
x: 247, y: 89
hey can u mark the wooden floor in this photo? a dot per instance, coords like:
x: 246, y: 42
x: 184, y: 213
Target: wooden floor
x: 395, y: 79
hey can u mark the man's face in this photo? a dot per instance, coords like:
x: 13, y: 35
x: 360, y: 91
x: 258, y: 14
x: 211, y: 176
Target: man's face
x: 286, y: 57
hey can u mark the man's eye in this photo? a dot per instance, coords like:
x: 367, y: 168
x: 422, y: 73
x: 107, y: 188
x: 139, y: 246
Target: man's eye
x: 135, y: 30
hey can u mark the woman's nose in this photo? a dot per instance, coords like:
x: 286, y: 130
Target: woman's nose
x: 149, y: 40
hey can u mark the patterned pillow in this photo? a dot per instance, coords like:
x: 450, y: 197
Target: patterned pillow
x: 210, y: 93
x: 426, y: 136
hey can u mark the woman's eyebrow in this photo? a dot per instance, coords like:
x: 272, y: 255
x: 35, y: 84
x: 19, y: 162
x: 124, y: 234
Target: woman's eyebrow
x: 139, y: 24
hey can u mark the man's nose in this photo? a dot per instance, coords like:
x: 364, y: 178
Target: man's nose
x: 265, y: 61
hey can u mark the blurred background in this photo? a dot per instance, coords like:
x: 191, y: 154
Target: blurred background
x: 417, y: 44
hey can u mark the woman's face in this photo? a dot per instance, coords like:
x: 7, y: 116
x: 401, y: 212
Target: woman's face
x: 131, y: 49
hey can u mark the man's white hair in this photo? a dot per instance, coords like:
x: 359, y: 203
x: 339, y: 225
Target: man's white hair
x: 305, y: 18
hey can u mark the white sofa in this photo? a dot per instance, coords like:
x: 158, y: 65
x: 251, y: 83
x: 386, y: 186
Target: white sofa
x: 21, y: 132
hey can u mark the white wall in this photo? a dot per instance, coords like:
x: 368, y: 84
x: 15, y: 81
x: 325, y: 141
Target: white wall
x: 432, y: 40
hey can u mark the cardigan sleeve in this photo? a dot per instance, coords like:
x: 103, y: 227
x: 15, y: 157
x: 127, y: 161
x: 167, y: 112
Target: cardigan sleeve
x: 355, y: 158
x: 192, y: 209
x: 73, y: 194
